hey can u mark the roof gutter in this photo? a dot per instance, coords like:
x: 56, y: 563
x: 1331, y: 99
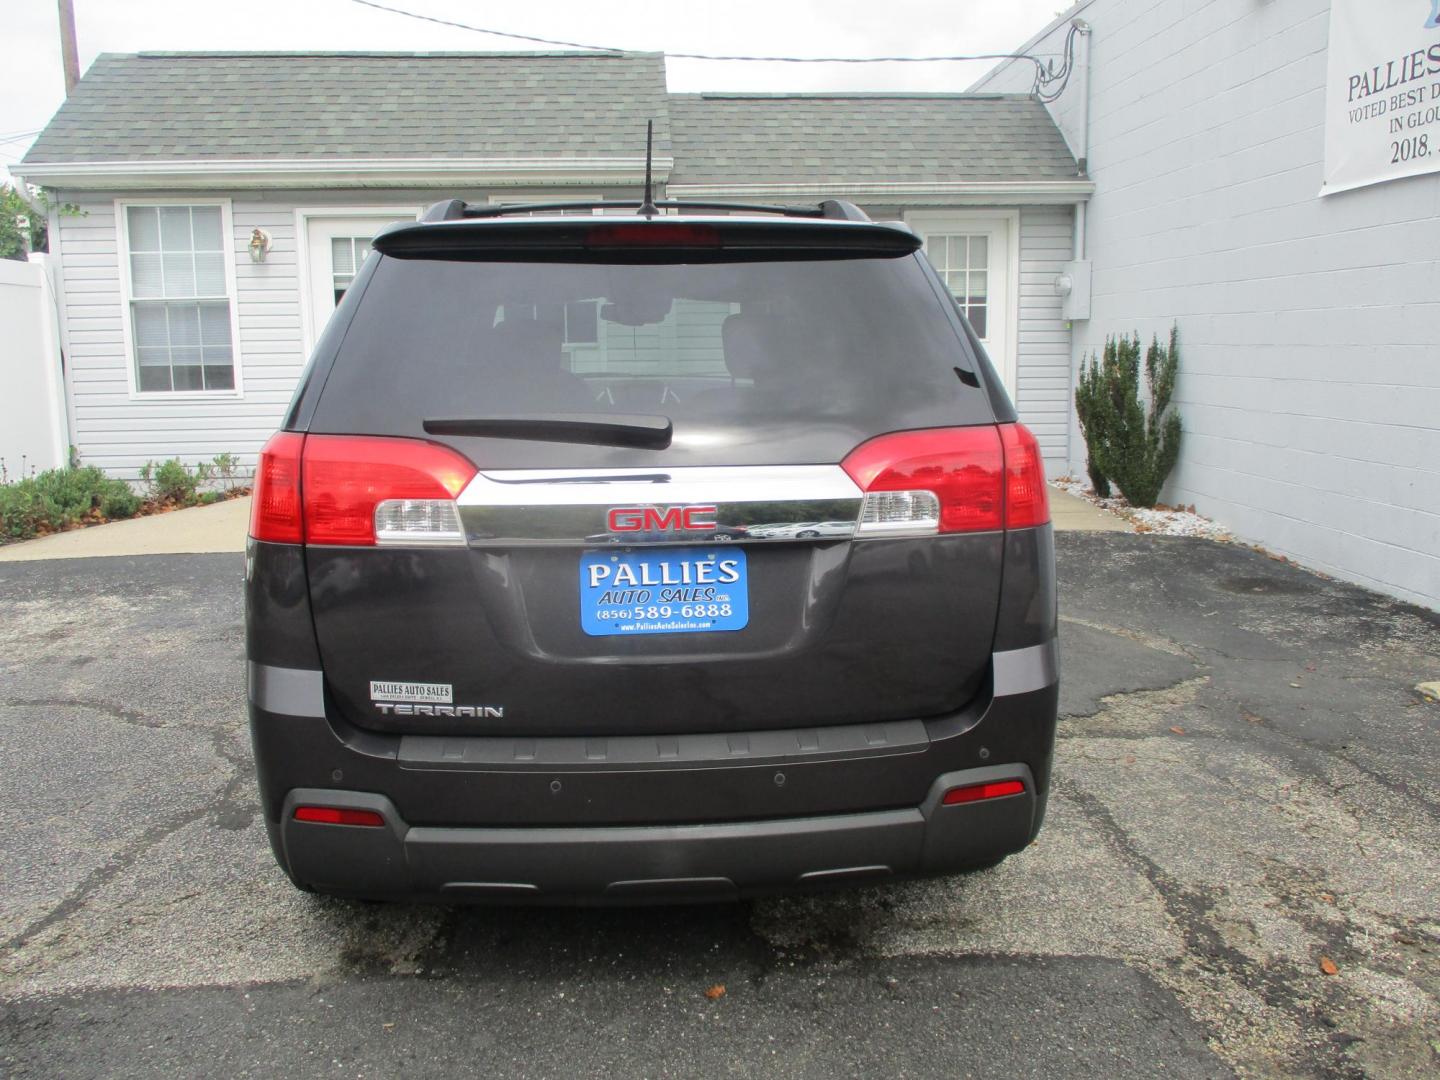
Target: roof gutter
x: 338, y: 172
x: 950, y: 192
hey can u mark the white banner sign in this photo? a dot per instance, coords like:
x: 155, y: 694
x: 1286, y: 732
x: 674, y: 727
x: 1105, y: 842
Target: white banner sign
x: 1382, y: 97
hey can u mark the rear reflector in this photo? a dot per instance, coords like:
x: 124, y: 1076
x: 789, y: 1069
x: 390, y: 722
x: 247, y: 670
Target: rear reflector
x: 977, y: 792
x: 338, y: 815
x: 364, y: 490
x: 275, y: 507
x: 949, y: 480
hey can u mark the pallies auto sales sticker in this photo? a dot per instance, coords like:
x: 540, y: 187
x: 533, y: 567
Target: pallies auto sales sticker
x: 432, y: 692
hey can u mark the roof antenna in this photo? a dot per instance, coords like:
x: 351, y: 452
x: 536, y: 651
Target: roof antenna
x: 647, y: 207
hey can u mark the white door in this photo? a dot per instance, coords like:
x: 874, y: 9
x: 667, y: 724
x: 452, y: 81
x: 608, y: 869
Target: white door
x: 336, y: 243
x: 974, y: 254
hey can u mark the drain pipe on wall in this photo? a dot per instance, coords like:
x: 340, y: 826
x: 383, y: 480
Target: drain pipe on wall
x: 1073, y: 284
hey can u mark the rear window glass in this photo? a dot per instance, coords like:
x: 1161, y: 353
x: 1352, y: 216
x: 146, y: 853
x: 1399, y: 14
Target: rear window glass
x: 858, y: 345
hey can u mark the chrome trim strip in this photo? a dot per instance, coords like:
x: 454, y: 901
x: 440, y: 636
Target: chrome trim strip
x: 648, y: 487
x: 571, y: 506
x: 287, y: 691
x: 1022, y: 671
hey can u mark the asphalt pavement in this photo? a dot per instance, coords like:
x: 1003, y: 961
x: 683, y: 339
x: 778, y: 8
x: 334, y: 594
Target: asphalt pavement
x: 1238, y: 872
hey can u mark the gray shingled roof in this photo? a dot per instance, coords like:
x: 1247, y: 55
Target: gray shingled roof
x: 227, y: 106
x: 851, y: 138
x: 168, y: 106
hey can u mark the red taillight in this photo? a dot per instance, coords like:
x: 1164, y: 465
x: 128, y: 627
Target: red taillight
x: 1027, y: 500
x: 275, y: 505
x: 346, y: 476
x: 960, y: 466
x: 977, y: 792
x: 983, y: 478
x: 338, y: 815
x: 658, y: 234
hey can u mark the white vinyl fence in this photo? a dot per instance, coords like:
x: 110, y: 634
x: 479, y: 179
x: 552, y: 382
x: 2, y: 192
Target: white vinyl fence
x: 32, y: 394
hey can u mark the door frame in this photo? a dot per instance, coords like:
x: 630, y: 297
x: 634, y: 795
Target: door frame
x: 958, y: 219
x: 303, y: 216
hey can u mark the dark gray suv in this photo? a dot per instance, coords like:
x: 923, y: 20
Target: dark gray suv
x: 650, y: 557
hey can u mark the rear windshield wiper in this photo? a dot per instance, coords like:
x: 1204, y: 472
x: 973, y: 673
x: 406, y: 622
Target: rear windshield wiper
x: 644, y: 431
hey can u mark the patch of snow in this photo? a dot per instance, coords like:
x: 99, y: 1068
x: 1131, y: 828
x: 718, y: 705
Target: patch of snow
x: 1162, y: 520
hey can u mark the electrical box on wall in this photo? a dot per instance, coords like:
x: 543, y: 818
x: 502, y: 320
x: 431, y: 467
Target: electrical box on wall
x: 1073, y: 285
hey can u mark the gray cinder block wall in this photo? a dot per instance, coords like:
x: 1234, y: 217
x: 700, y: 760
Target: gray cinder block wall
x: 1309, y: 326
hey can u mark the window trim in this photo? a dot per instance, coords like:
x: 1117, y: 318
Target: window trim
x: 127, y: 298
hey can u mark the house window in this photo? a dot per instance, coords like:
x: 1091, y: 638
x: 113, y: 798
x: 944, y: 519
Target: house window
x: 179, y: 302
x: 963, y: 263
x: 347, y: 253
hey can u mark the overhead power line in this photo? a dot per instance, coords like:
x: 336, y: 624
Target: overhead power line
x: 1045, y: 76
x: 482, y: 30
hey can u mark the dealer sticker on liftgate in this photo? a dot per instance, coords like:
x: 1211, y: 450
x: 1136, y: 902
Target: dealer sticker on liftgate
x: 665, y: 591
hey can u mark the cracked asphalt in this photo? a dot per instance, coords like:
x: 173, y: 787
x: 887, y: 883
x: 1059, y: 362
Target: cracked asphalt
x: 1247, y: 798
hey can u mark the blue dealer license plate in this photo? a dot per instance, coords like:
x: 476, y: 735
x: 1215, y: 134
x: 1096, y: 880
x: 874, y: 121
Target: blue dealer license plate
x: 663, y: 591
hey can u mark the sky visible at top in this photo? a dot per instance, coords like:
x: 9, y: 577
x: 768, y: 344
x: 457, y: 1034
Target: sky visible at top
x: 32, y: 79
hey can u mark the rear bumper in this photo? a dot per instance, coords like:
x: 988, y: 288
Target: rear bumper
x: 635, y: 819
x: 655, y: 864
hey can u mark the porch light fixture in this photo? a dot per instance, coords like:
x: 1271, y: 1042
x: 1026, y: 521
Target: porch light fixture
x: 259, y: 245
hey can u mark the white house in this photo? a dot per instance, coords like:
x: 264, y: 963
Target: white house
x: 226, y: 199
x: 1309, y: 323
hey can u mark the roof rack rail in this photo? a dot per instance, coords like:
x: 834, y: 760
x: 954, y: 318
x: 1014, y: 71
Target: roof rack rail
x: 459, y: 210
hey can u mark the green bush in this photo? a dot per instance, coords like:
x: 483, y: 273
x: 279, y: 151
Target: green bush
x: 1129, y: 443
x: 172, y: 482
x: 120, y: 501
x: 57, y: 498
x: 226, y: 469
x: 1090, y: 398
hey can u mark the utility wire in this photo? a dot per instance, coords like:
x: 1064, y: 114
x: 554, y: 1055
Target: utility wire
x: 482, y: 30
x: 1044, y: 77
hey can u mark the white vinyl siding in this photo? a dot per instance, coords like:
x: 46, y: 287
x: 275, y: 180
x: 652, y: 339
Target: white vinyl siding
x: 1043, y: 389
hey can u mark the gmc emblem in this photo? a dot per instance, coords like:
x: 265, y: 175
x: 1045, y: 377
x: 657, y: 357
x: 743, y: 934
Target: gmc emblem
x: 655, y: 519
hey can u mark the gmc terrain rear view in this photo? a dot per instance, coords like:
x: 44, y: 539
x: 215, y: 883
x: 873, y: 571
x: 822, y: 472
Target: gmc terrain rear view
x: 683, y: 554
